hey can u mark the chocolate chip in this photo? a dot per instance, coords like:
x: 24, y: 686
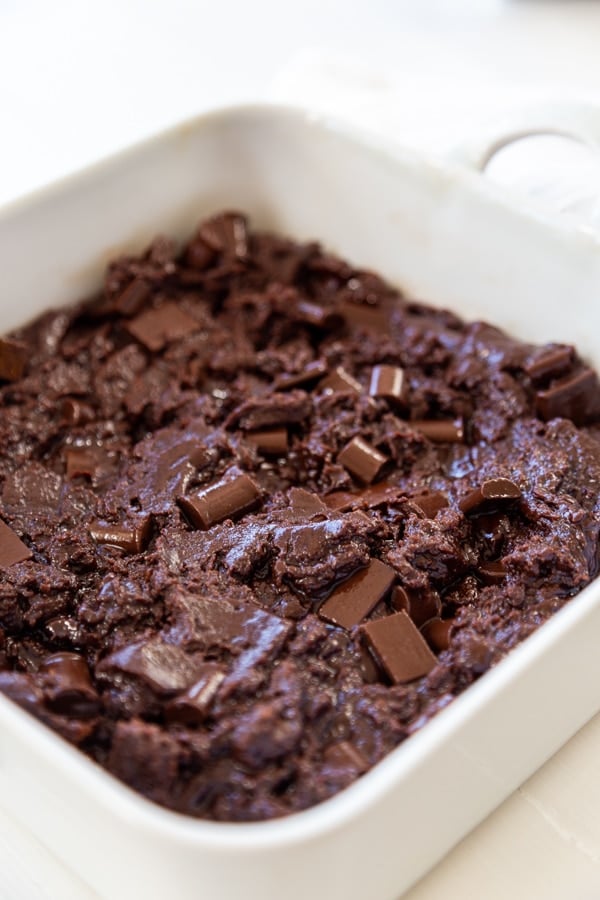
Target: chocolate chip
x: 354, y: 599
x: 492, y: 572
x: 275, y: 410
x: 575, y: 397
x: 428, y: 504
x: 12, y: 548
x: 130, y: 301
x: 227, y: 499
x: 362, y: 460
x: 398, y: 647
x: 270, y: 441
x: 490, y: 493
x: 387, y: 382
x: 551, y: 362
x: 67, y: 685
x: 226, y: 233
x: 157, y: 327
x: 437, y: 633
x: 192, y: 706
x: 130, y: 538
x: 309, y: 375
x: 341, y: 501
x: 13, y: 358
x: 440, y: 431
x: 340, y: 381
x: 345, y: 755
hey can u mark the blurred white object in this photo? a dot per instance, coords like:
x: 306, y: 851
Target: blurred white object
x: 484, y: 126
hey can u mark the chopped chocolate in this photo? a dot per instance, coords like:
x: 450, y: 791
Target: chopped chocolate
x: 269, y: 441
x: 575, y: 397
x: 362, y: 460
x: 387, y: 382
x: 229, y: 498
x: 12, y: 548
x: 73, y: 412
x: 421, y: 605
x: 347, y: 755
x: 193, y: 705
x: 398, y: 648
x: 308, y: 376
x: 440, y: 431
x: 274, y: 410
x: 492, y: 572
x: 82, y: 461
x: 551, y: 362
x: 428, y: 504
x: 490, y: 493
x: 13, y: 359
x: 340, y: 381
x: 354, y: 599
x: 67, y: 685
x: 225, y: 233
x: 130, y: 538
x: 157, y: 327
x: 131, y: 300
x: 437, y: 633
x: 318, y: 316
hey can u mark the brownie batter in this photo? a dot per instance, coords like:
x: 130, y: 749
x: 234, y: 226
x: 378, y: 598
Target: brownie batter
x: 261, y: 516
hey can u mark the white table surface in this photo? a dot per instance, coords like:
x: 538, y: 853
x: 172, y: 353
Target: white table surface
x: 80, y: 79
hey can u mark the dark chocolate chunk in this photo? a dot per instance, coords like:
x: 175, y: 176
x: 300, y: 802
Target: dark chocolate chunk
x: 341, y: 501
x: 319, y: 316
x: 362, y: 460
x: 440, y: 431
x: 387, y: 382
x: 165, y: 668
x: 346, y: 755
x: 421, y: 605
x: 130, y: 538
x: 130, y: 301
x: 428, y: 504
x: 83, y: 461
x: 226, y: 233
x: 227, y: 499
x: 272, y: 411
x: 398, y: 647
x: 269, y: 441
x: 193, y: 705
x: 575, y: 397
x: 74, y: 412
x: 354, y: 599
x: 13, y: 358
x: 12, y: 548
x: 437, y: 633
x: 67, y: 685
x: 157, y: 327
x: 340, y: 381
x: 492, y: 572
x: 550, y: 362
x: 490, y: 492
x: 308, y: 376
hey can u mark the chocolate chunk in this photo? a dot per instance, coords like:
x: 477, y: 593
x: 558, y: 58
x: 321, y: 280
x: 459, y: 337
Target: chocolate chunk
x: 130, y: 538
x: 492, y: 572
x: 305, y: 504
x: 421, y: 606
x: 13, y: 357
x: 490, y: 493
x: 319, y: 316
x: 130, y: 301
x: 83, y: 461
x: 575, y: 397
x: 157, y: 327
x: 366, y: 315
x: 551, y: 362
x: 399, y: 648
x: 274, y: 410
x: 437, y: 633
x: 74, y: 412
x: 269, y: 441
x: 309, y: 375
x: 12, y: 548
x: 354, y: 599
x: 440, y: 431
x: 340, y: 381
x: 227, y: 499
x: 341, y: 501
x: 346, y: 755
x: 387, y: 382
x: 199, y: 255
x: 165, y: 668
x: 67, y: 685
x: 193, y: 705
x: 226, y: 233
x: 428, y: 504
x: 362, y: 460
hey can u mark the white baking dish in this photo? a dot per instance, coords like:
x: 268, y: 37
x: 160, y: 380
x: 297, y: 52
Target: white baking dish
x: 445, y: 235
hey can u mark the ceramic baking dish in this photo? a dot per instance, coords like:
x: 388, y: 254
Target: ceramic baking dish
x: 442, y: 233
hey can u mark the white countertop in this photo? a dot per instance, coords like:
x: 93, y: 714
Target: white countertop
x: 80, y: 79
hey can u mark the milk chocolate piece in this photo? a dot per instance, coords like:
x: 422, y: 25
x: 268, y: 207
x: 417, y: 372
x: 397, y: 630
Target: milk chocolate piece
x: 387, y: 382
x: 67, y: 685
x: 157, y: 327
x: 82, y: 461
x: 305, y: 504
x: 340, y: 381
x: 165, y: 668
x: 550, y: 363
x: 13, y: 357
x: 130, y: 301
x: 226, y: 233
x: 269, y: 441
x: 440, y: 431
x: 437, y: 633
x: 362, y: 460
x: 354, y: 599
x: 399, y: 648
x: 345, y: 755
x: 575, y: 397
x: 12, y: 548
x: 429, y: 504
x: 193, y: 705
x: 308, y: 376
x: 227, y: 499
x: 421, y: 606
x: 492, y: 572
x: 489, y: 493
x: 130, y: 538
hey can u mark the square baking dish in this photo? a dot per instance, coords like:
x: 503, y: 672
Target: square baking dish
x: 444, y: 235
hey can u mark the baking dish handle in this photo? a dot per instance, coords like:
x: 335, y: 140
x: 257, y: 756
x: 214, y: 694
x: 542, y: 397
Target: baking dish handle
x: 578, y: 121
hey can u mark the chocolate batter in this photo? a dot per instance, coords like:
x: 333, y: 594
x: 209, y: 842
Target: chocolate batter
x: 261, y: 517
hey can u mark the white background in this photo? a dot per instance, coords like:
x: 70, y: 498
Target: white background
x: 81, y: 79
